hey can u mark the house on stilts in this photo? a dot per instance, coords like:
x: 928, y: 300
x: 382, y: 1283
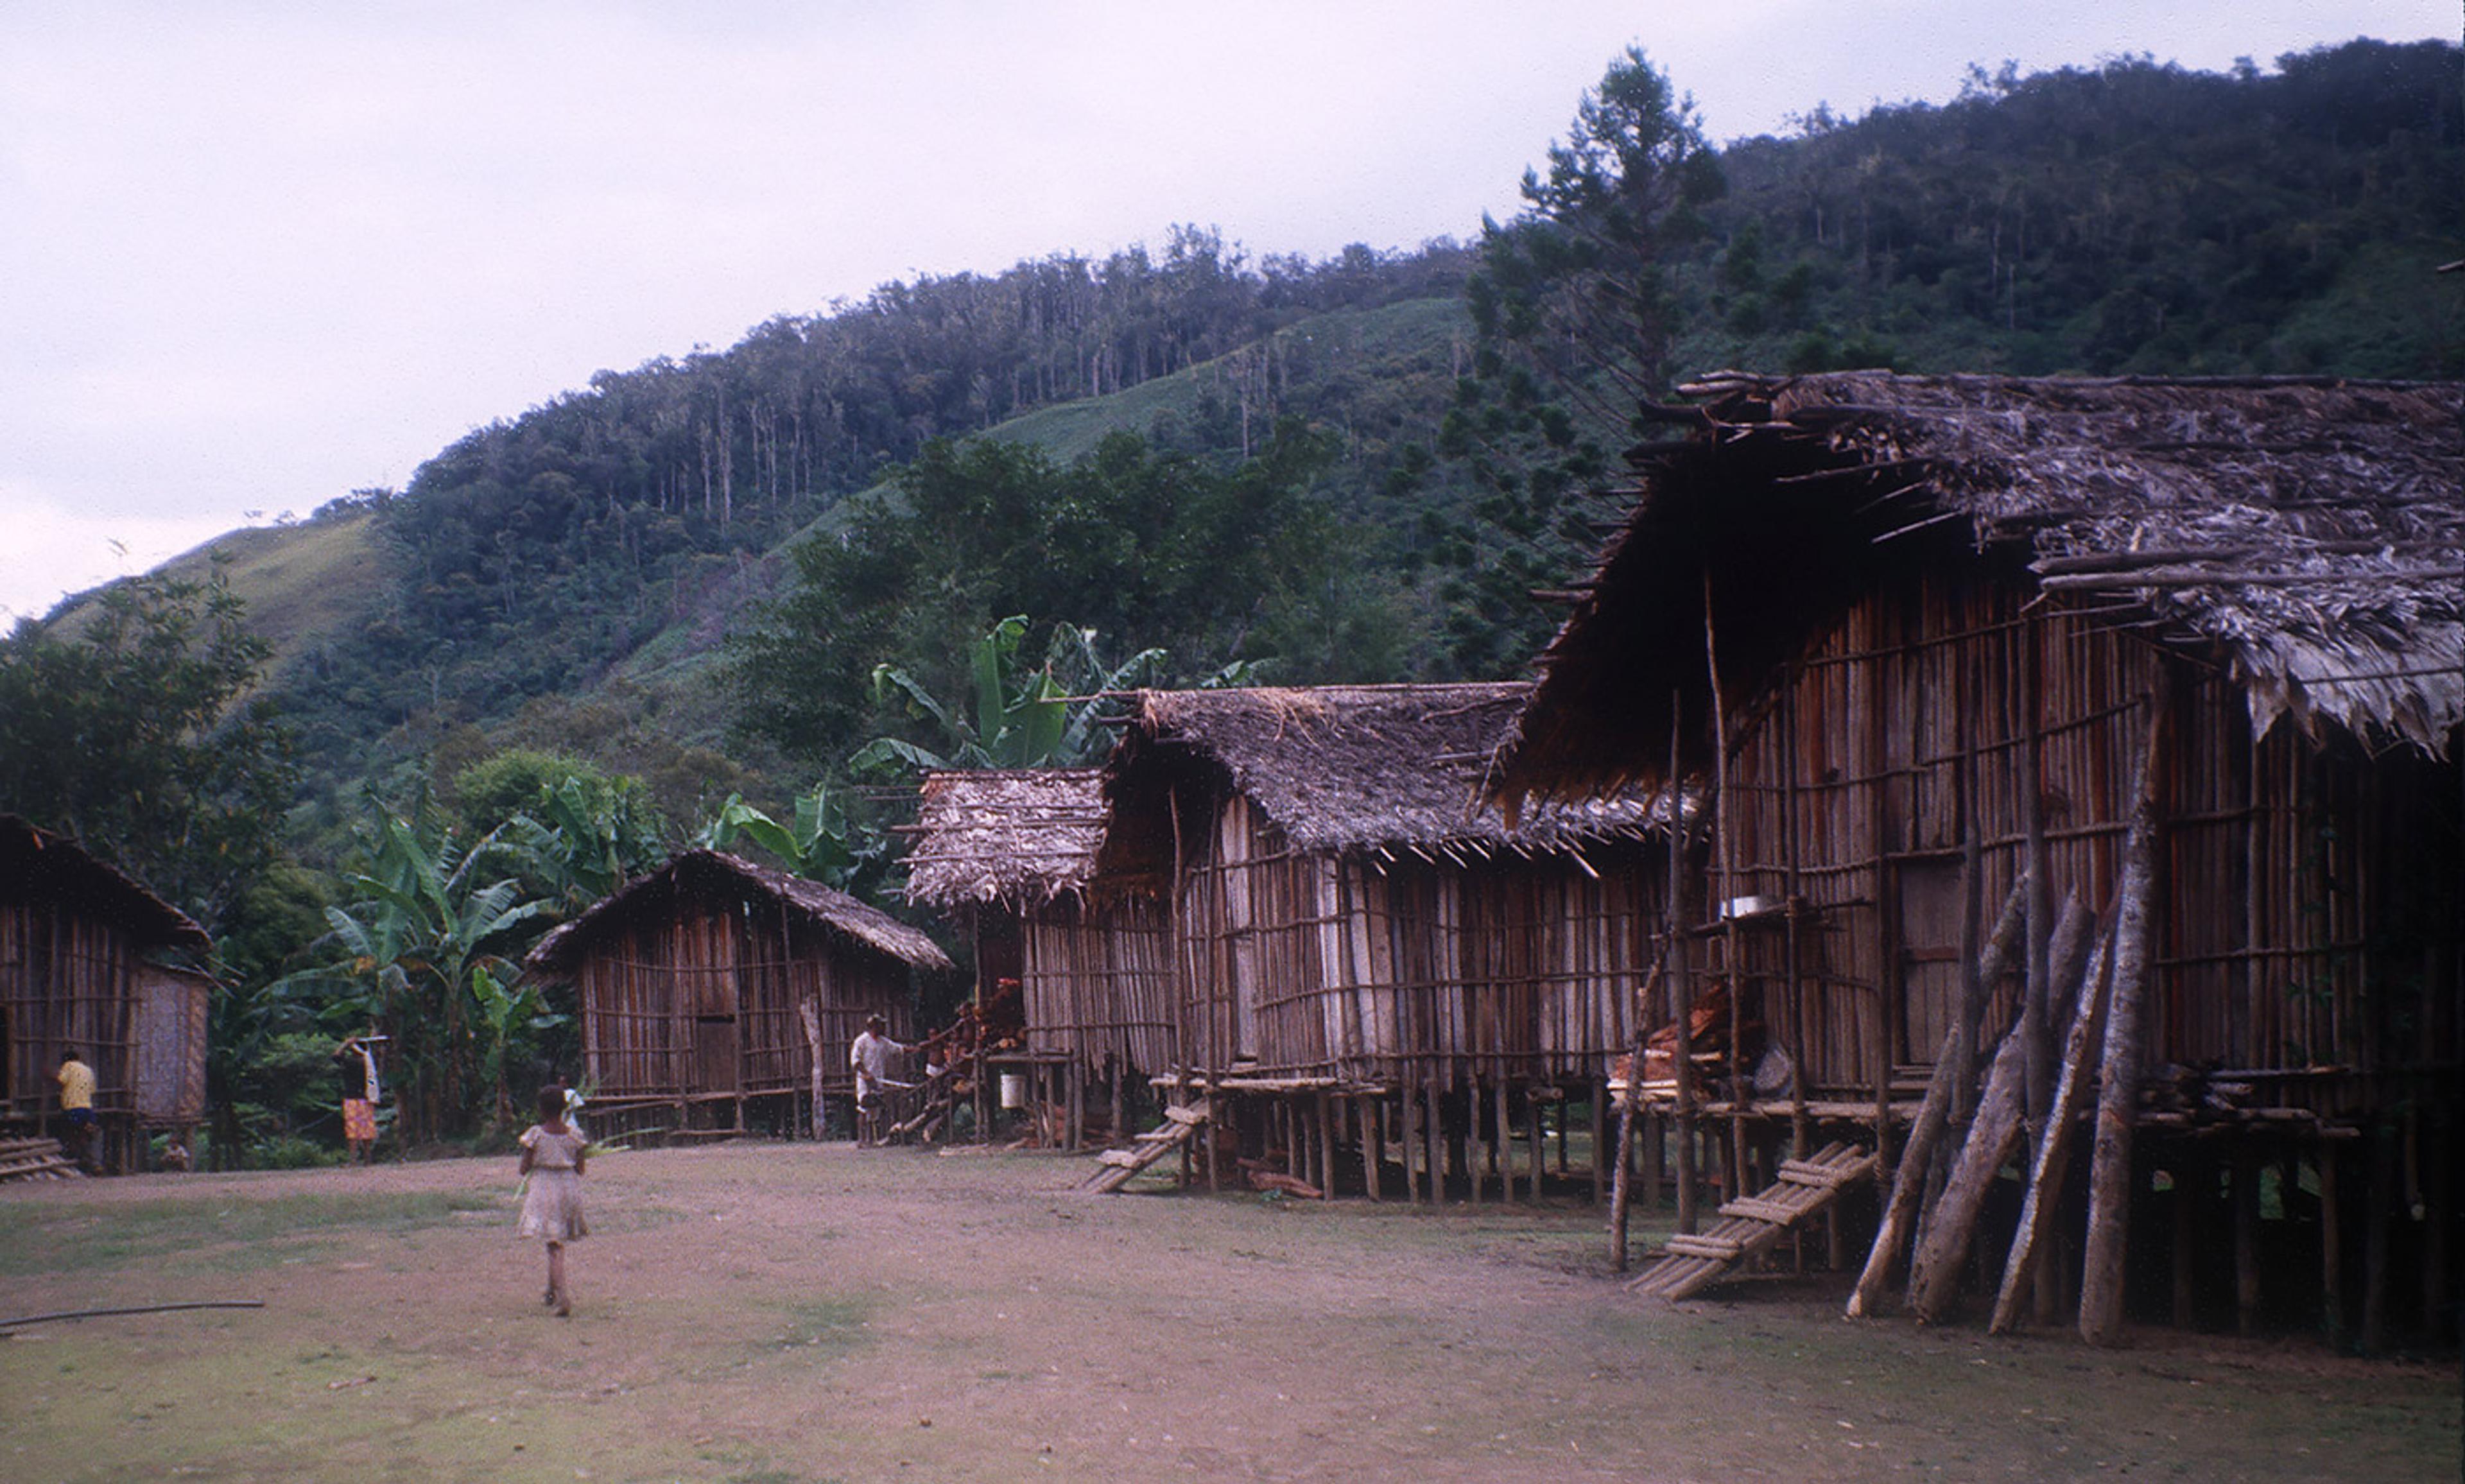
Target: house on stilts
x: 1378, y: 985
x: 82, y: 967
x: 2122, y: 715
x: 717, y: 995
x: 1076, y: 975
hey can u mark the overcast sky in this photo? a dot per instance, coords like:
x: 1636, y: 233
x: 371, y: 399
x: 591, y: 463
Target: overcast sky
x: 256, y: 256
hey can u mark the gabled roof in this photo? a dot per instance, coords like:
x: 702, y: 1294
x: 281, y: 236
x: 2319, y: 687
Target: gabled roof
x: 40, y: 866
x: 701, y: 875
x: 2308, y: 533
x: 1363, y: 766
x: 1019, y: 836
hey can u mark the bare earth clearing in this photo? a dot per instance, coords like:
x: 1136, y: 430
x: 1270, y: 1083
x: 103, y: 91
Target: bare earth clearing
x: 801, y: 1313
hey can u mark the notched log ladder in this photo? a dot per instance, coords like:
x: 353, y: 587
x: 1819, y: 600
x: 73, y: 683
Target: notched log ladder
x: 1113, y: 1168
x: 1752, y: 1224
x: 36, y: 1159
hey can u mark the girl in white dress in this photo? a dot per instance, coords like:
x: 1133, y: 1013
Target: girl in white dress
x: 553, y: 1153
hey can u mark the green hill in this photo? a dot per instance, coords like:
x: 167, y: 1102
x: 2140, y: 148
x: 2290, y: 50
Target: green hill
x: 568, y: 577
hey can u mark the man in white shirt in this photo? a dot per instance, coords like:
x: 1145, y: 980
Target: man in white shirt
x: 869, y: 1056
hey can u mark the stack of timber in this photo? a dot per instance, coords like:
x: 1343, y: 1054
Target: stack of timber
x: 36, y: 1159
x: 1113, y: 1168
x: 1752, y: 1224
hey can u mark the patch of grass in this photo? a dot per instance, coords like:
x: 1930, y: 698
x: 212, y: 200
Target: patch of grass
x: 256, y: 1232
x: 833, y: 1327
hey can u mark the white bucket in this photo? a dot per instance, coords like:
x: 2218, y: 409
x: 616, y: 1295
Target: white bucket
x: 1014, y: 1089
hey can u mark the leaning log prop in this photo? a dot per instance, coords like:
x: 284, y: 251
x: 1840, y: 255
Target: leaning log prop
x: 1993, y: 1134
x: 1909, y: 1186
x: 2082, y: 1046
x: 2109, y: 1193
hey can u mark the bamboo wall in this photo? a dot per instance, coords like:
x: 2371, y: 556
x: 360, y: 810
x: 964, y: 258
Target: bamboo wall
x: 703, y: 1003
x: 67, y: 980
x: 2297, y: 916
x: 1097, y: 981
x: 1353, y: 966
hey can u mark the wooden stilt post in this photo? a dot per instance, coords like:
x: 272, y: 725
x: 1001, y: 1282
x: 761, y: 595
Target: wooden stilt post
x: 1601, y: 1153
x: 2332, y: 1251
x: 2439, y: 1195
x: 1411, y: 1133
x: 1325, y: 1113
x: 2379, y: 1207
x: 2246, y: 1238
x: 2187, y: 1168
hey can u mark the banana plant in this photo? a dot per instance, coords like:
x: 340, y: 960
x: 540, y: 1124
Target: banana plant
x: 1045, y: 717
x: 824, y: 843
x: 422, y: 932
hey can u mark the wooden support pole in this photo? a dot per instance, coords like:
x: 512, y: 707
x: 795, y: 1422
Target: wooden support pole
x: 2379, y: 1207
x: 1365, y: 1112
x: 2187, y: 1168
x: 1408, y: 1128
x: 1325, y: 1113
x: 1601, y: 1153
x: 2332, y: 1248
x: 2246, y: 1240
x: 1433, y: 1125
x: 2104, y: 1256
x: 1681, y: 989
x: 1621, y: 1178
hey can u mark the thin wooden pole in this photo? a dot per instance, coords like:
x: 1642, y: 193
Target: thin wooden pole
x: 1681, y: 989
x: 2332, y: 1251
x: 1735, y: 1166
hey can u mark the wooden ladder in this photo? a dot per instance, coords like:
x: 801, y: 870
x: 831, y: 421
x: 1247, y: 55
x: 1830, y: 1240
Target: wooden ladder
x: 1750, y: 1225
x: 1113, y: 1168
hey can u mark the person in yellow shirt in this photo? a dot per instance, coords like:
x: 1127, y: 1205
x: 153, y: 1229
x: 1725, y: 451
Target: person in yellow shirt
x: 77, y: 1102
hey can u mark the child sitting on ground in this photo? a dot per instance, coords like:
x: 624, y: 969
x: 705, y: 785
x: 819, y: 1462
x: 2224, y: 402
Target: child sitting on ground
x: 553, y: 1153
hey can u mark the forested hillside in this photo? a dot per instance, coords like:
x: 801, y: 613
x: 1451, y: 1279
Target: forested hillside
x: 582, y: 632
x: 586, y: 558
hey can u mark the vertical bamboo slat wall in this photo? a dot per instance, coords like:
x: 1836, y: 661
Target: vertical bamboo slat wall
x: 649, y: 993
x: 67, y: 980
x: 2266, y: 940
x: 1354, y: 966
x: 1097, y: 981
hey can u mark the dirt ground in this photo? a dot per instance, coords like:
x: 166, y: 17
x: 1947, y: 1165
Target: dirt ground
x: 780, y: 1313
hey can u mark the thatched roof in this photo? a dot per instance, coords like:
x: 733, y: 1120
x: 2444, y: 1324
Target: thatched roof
x: 37, y: 865
x: 704, y: 876
x: 2306, y: 533
x: 1021, y: 837
x: 1362, y: 766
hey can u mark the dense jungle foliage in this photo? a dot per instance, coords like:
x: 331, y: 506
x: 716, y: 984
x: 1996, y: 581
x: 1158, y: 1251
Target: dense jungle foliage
x: 711, y: 579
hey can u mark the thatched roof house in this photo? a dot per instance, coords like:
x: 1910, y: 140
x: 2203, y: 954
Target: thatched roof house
x: 1013, y: 853
x: 1349, y: 915
x: 1321, y: 842
x: 79, y: 941
x: 713, y: 983
x: 2307, y: 535
x: 1916, y: 623
x: 1019, y: 837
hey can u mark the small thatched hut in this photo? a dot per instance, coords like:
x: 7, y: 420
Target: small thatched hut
x: 1926, y: 637
x: 79, y: 949
x: 1012, y: 854
x: 726, y: 992
x: 1351, y: 923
